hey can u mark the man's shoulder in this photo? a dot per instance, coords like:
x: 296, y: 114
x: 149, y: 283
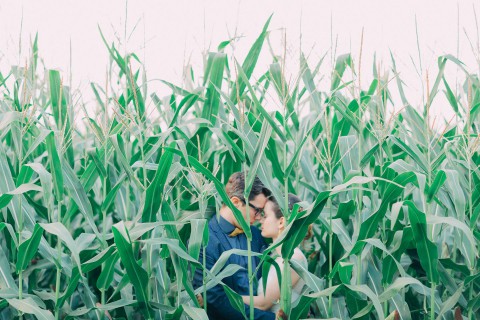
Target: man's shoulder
x: 255, y: 231
x: 258, y: 242
x: 213, y: 227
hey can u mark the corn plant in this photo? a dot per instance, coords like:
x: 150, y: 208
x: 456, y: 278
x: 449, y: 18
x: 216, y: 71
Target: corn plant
x: 105, y: 211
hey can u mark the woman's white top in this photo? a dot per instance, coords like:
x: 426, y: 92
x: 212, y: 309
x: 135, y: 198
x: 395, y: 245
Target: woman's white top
x: 272, y: 276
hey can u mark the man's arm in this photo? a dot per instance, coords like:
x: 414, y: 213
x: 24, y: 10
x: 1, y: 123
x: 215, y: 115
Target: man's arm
x: 218, y: 305
x: 222, y: 309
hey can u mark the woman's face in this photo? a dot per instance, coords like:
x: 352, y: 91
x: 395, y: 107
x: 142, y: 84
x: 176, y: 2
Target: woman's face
x: 270, y: 224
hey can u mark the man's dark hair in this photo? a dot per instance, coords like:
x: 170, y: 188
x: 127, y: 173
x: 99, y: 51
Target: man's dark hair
x: 236, y: 187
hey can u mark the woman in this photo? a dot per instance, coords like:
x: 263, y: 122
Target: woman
x: 272, y: 225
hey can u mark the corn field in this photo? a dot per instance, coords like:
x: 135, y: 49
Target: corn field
x: 104, y: 212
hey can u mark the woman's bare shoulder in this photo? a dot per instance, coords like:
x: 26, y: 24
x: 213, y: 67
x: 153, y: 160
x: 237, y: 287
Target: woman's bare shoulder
x: 299, y: 256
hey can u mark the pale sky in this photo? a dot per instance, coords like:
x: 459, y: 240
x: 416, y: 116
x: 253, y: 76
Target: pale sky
x: 165, y: 34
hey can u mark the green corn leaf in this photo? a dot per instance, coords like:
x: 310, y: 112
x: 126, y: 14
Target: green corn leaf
x: 393, y: 190
x: 55, y: 166
x: 7, y: 118
x: 6, y: 278
x: 472, y: 253
x: 210, y: 109
x: 325, y: 292
x: 24, y: 176
x: 235, y: 300
x: 223, y: 259
x: 154, y: 194
x: 38, y: 140
x: 298, y: 150
x: 311, y: 280
x: 308, y: 80
x: 221, y: 191
x: 116, y: 305
x: 98, y: 259
x: 450, y: 303
x: 427, y: 251
x: 28, y: 249
x: 78, y: 194
x: 286, y: 288
x: 107, y: 203
x: 249, y: 64
x: 195, y: 313
x: 398, y: 285
x: 340, y: 65
x: 257, y: 157
x: 26, y: 187
x: 301, y: 310
x: 58, y: 100
x: 436, y: 185
x: 196, y: 237
x: 71, y: 287
x: 98, y: 163
x: 63, y: 234
x: 413, y: 152
x: 138, y: 276
x: 369, y: 155
x: 296, y: 231
x: 117, y: 142
x: 399, y: 82
x: 281, y: 87
x: 371, y: 295
x: 441, y: 69
x: 105, y: 279
x: 451, y: 97
x: 174, y: 246
x: 259, y: 107
x: 266, y: 266
x: 28, y: 305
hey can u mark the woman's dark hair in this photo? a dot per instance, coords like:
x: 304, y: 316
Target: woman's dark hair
x: 292, y: 200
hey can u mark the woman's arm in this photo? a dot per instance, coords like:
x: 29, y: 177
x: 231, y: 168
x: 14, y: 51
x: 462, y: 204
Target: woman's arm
x: 272, y: 291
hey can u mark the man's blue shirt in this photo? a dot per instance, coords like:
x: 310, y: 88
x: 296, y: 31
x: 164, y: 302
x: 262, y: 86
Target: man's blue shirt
x: 218, y: 305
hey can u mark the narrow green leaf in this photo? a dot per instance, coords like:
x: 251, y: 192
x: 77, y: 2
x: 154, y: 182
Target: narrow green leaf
x: 210, y: 109
x: 436, y: 185
x: 258, y: 156
x: 98, y: 163
x: 221, y: 191
x: 340, y: 65
x: 371, y: 295
x: 58, y: 229
x: 28, y: 249
x: 78, y: 194
x: 55, y: 166
x: 107, y: 203
x: 249, y: 64
x: 427, y: 251
x: 71, y: 287
x: 154, y: 194
x: 28, y: 305
x: 258, y: 105
x: 138, y: 276
x: 235, y: 300
x: 105, y: 279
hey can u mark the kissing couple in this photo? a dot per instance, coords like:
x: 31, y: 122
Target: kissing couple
x: 226, y: 234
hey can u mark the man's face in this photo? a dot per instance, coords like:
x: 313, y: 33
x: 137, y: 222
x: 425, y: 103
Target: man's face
x: 256, y: 205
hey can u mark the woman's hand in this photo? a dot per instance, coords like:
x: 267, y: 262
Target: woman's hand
x: 280, y: 315
x: 200, y: 300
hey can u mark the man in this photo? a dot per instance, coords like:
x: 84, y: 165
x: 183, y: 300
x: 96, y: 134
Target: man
x: 225, y: 234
